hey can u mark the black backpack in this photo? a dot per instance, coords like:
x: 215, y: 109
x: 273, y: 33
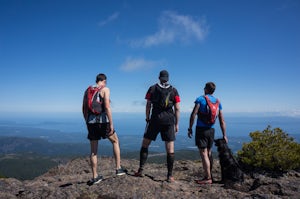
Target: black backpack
x: 163, y: 98
x: 163, y: 103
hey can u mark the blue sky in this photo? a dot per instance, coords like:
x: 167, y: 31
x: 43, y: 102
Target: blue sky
x: 51, y: 50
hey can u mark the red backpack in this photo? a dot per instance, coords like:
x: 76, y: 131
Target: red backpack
x: 211, y: 115
x: 92, y: 102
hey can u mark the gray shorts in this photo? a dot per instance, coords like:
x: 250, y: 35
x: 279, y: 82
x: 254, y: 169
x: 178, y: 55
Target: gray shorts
x: 204, y: 137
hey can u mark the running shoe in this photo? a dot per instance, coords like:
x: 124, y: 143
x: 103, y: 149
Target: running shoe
x: 121, y: 171
x: 139, y: 173
x: 204, y: 181
x: 96, y: 180
x: 170, y: 179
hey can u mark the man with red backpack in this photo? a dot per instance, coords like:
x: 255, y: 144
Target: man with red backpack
x: 208, y: 109
x: 98, y: 117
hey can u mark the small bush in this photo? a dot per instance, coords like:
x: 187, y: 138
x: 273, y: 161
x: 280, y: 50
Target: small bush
x: 2, y: 176
x: 271, y: 150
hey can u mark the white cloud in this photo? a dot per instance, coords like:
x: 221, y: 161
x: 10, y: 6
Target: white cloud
x: 174, y: 28
x: 132, y: 64
x: 111, y: 18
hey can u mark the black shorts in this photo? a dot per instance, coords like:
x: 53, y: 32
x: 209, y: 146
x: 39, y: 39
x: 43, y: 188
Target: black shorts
x: 167, y: 132
x: 204, y: 137
x: 98, y: 131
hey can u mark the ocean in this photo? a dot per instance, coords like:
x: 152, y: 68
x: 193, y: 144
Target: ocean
x: 64, y: 128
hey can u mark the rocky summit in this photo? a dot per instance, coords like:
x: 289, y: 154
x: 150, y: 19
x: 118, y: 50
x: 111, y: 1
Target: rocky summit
x: 71, y: 181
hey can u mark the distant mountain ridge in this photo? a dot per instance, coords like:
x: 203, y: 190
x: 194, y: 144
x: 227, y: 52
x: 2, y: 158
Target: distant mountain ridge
x: 40, y: 146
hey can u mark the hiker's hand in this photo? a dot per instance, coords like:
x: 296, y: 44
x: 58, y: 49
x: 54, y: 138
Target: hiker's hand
x: 190, y: 133
x: 176, y: 128
x: 111, y: 132
x: 225, y: 138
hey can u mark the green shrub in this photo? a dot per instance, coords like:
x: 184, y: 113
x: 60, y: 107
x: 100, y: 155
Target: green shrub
x: 271, y: 150
x: 2, y: 176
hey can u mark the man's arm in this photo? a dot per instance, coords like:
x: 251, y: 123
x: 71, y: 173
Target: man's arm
x: 192, y: 119
x: 222, y: 124
x: 106, y: 97
x: 177, y: 114
x: 148, y: 110
x: 84, y: 106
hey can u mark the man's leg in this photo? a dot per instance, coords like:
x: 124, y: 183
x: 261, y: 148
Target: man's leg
x: 211, y: 161
x: 93, y: 157
x: 144, y: 152
x: 205, y: 162
x: 143, y: 156
x: 170, y: 158
x: 150, y: 134
x: 116, y: 149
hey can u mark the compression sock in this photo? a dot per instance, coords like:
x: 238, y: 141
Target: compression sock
x: 211, y: 159
x: 143, y: 157
x: 170, y: 162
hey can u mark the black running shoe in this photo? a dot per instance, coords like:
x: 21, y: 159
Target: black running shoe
x: 121, y: 171
x: 96, y: 180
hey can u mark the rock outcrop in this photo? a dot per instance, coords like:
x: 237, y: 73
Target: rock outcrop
x: 70, y: 181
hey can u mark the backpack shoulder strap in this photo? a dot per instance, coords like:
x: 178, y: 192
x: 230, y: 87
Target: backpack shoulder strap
x: 206, y: 98
x: 209, y: 101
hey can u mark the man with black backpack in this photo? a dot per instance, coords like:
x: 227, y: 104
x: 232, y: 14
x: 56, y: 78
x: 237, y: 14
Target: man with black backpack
x: 98, y: 117
x: 207, y: 108
x: 163, y: 104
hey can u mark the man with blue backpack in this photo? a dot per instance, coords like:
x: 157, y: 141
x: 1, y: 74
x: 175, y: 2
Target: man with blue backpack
x: 207, y: 108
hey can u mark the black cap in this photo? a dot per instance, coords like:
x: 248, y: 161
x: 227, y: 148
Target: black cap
x: 164, y: 75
